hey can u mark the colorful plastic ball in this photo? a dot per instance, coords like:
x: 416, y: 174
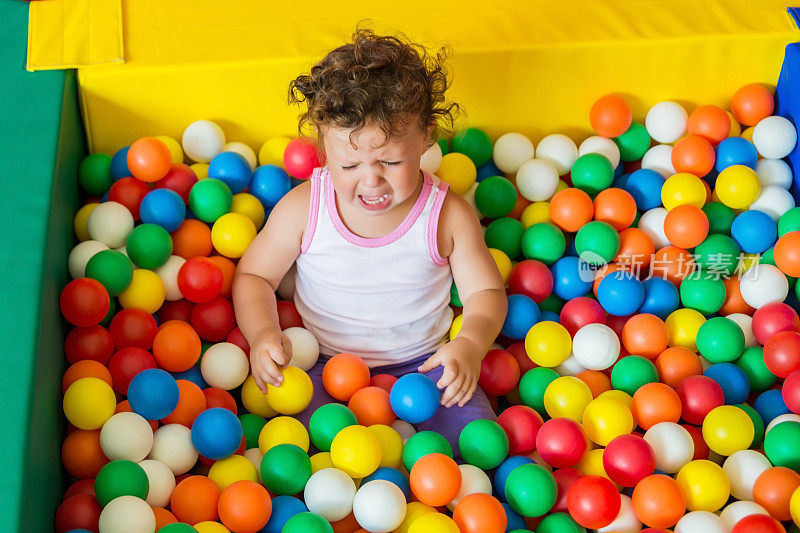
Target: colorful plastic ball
x: 769, y: 405
x: 686, y: 226
x: 269, y: 184
x: 301, y: 157
x: 773, y: 490
x: 709, y: 121
x: 727, y: 429
x: 610, y: 116
x: 763, y: 284
x: 645, y: 186
x: 693, y: 154
x: 620, y: 293
x: 327, y: 421
x: 703, y: 292
x: 683, y: 188
x: 705, y: 485
x: 531, y: 490
x: 84, y: 302
x: 285, y: 469
x: 459, y: 171
x: 294, y: 393
x: 660, y: 297
x: 499, y: 373
x: 89, y: 402
x: 495, y: 196
x: 344, y: 374
x: 307, y: 522
x: 146, y: 291
x: 531, y: 278
x: 567, y: 396
x: 505, y: 469
x: 379, y: 505
x: 414, y: 398
x: 244, y: 506
x: 774, y: 318
x: 216, y: 433
x: 120, y: 478
x: 754, y: 231
x: 118, y: 166
x: 149, y: 246
x: 790, y: 391
x: 209, y: 199
x: 666, y: 122
x: 782, y: 445
x: 658, y: 501
x: 593, y: 501
x: 94, y: 174
x: 180, y: 179
x: 79, y: 510
x: 356, y: 450
x: 202, y: 140
x: 232, y: 233
x: 393, y: 476
x: 752, y: 103
x: 435, y: 479
x: 480, y: 513
x: 633, y: 143
x: 735, y: 151
x: 536, y: 180
x: 200, y: 280
x: 283, y: 508
x: 737, y: 186
x: 604, y: 419
x: 559, y: 150
x: 571, y: 208
x: 532, y: 387
x: 561, y: 442
x: 592, y: 173
x: 774, y: 201
x: 521, y: 424
x: 148, y: 159
x: 595, y: 346
x: 720, y: 340
x: 758, y: 523
x: 511, y: 150
x: 522, y: 314
x: 672, y: 446
x: 153, y: 394
x: 699, y: 395
x: 774, y: 137
x: 126, y: 436
x: 572, y: 278
x: 111, y: 268
x: 163, y: 207
x: 732, y: 379
x: 483, y: 443
x: 743, y: 468
x: 505, y: 234
x: 756, y: 371
x: 232, y: 169
x: 127, y: 514
x: 329, y: 493
x: 787, y: 257
x: 543, y: 242
x: 423, y: 443
x: 579, y: 312
x: 632, y: 372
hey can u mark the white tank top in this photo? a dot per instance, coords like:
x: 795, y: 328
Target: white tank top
x: 384, y: 299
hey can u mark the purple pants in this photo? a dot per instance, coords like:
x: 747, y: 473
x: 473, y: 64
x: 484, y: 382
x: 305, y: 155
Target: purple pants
x: 448, y: 421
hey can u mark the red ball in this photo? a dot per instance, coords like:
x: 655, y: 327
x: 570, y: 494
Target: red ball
x: 129, y: 192
x: 93, y: 342
x: 133, y: 327
x: 219, y: 398
x: 78, y: 512
x: 125, y: 364
x: 628, y: 459
x: 593, y: 501
x: 580, y: 311
x: 699, y: 395
x: 499, y: 372
x: 701, y: 449
x: 517, y: 349
x: 758, y: 523
x: 82, y: 486
x: 561, y: 442
x: 521, y: 424
x: 617, y: 323
x: 213, y: 320
x: 565, y: 477
x: 288, y: 317
x: 177, y: 310
x: 237, y: 337
x: 84, y: 302
x: 180, y: 179
x: 384, y: 381
x: 790, y: 390
x: 200, y: 279
x: 301, y: 157
x: 774, y: 318
x: 782, y: 353
x: 531, y: 278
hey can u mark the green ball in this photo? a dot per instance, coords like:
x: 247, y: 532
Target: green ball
x: 720, y: 340
x: 559, y: 523
x: 597, y: 243
x: 327, y: 421
x: 120, y: 478
x: 505, y: 234
x: 531, y: 490
x: 307, y: 523
x: 552, y: 303
x: 704, y: 292
x: 520, y: 531
x: 112, y: 269
x: 720, y: 218
x: 483, y: 443
x: 209, y: 199
x: 789, y: 221
x: 532, y: 387
x: 592, y: 173
x: 634, y: 143
x: 443, y: 145
x: 177, y: 527
x: 752, y: 362
x: 473, y: 143
x: 252, y: 426
x: 422, y: 443
x: 632, y: 372
x: 285, y: 469
x: 94, y: 174
x: 543, y: 242
x: 454, y: 298
x: 758, y: 423
x: 495, y: 196
x: 782, y: 445
x: 717, y: 254
x: 149, y: 246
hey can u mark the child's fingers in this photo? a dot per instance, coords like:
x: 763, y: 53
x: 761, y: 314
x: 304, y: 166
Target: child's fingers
x: 273, y: 373
x: 460, y: 393
x: 468, y: 395
x: 260, y: 383
x: 452, y: 390
x: 448, y: 375
x: 429, y: 364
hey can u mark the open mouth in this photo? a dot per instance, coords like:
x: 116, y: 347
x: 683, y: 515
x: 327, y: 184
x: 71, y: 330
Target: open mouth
x: 374, y: 202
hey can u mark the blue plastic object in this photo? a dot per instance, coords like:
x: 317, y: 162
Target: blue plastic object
x: 733, y: 381
x: 522, y: 314
x: 754, y: 231
x: 269, y: 184
x: 216, y: 433
x: 119, y: 164
x: 661, y: 297
x: 231, y: 168
x: 164, y: 207
x: 283, y: 508
x: 391, y: 475
x: 620, y: 293
x: 414, y: 398
x: 153, y: 393
x: 571, y: 278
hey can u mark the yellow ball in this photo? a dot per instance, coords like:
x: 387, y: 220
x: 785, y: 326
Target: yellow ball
x: 535, y: 213
x: 503, y: 263
x: 561, y: 186
x: 747, y: 261
x: 232, y: 233
x: 294, y: 394
x: 794, y: 507
x: 604, y: 419
x: 271, y: 152
x: 747, y: 133
x: 356, y: 450
x: 89, y: 402
x: 455, y: 327
x: 146, y: 291
x: 591, y: 464
x: 728, y: 429
x: 567, y: 397
x: 254, y: 400
x: 433, y: 523
x: 200, y: 170
x: 211, y: 527
x: 736, y: 128
x: 413, y: 511
x: 548, y: 343
x: 682, y: 326
x: 683, y: 188
x: 737, y: 186
x: 80, y: 224
x: 459, y: 171
x: 705, y: 485
x: 283, y: 430
x: 232, y: 469
x: 174, y: 147
x: 618, y: 395
x: 320, y: 461
x: 248, y: 205
x: 391, y: 445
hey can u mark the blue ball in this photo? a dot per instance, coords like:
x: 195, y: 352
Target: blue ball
x: 620, y: 170
x: 504, y: 470
x: 164, y: 207
x: 393, y: 476
x: 733, y: 381
x: 153, y: 393
x: 269, y: 184
x: 770, y: 404
x: 620, y: 293
x: 645, y: 187
x: 571, y: 278
x: 488, y: 169
x: 620, y: 181
x: 216, y: 433
x: 513, y: 519
x: 231, y: 168
x: 754, y: 231
x: 735, y: 151
x: 283, y: 508
x: 414, y: 398
x: 523, y: 313
x: 119, y: 164
x: 194, y: 375
x: 661, y: 297
x: 550, y: 316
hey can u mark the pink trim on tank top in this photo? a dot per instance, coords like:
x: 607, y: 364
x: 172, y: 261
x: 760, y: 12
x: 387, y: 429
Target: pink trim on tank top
x: 377, y: 242
x: 433, y: 225
x: 313, y: 209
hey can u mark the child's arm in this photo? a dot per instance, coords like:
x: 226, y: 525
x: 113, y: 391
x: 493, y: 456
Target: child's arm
x: 482, y: 292
x: 260, y: 270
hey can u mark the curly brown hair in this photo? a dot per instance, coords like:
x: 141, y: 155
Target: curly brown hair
x: 384, y: 80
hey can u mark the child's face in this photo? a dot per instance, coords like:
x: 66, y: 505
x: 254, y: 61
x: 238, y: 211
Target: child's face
x: 376, y: 174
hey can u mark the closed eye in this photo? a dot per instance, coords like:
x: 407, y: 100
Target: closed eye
x: 349, y: 167
x: 391, y: 163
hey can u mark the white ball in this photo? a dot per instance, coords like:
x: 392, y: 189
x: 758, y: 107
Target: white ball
x: 774, y: 201
x: 745, y: 323
x: 762, y: 284
x: 570, y: 366
x: 659, y: 158
x: 743, y: 468
x: 255, y: 456
x: 127, y: 514
x: 305, y: 348
x: 225, y: 366
x: 595, y: 346
x: 537, y: 180
x: 431, y: 159
x: 126, y: 436
x: 162, y: 482
x: 700, y: 522
x: 774, y: 137
x: 774, y: 172
x: 243, y: 150
x: 202, y: 140
x: 786, y: 417
x: 469, y: 196
x: 652, y: 223
x: 172, y: 445
x: 330, y: 493
x: 626, y: 520
x: 511, y: 150
x: 404, y: 429
x: 600, y: 145
x: 110, y: 223
x: 559, y: 150
x: 286, y: 286
x: 666, y: 122
x: 735, y: 511
x: 379, y: 506
x: 672, y: 446
x: 168, y: 272
x: 473, y: 480
x: 80, y: 255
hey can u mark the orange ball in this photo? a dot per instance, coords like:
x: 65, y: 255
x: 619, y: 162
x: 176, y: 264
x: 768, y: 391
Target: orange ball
x: 192, y: 239
x: 371, y: 406
x: 615, y: 206
x: 344, y: 374
x: 734, y: 303
x: 228, y: 269
x: 711, y: 122
x: 773, y: 490
x: 176, y: 346
x: 646, y: 335
x: 86, y: 368
x: 597, y: 381
x: 686, y: 226
x: 348, y: 524
x: 570, y: 209
x: 604, y: 271
x: 163, y: 517
x: 194, y: 499
x: 244, y: 507
x: 676, y: 364
x: 519, y: 206
x: 636, y: 249
x: 673, y: 264
x: 149, y: 159
x: 191, y: 402
x: 480, y: 513
x: 82, y: 455
x: 435, y: 479
x: 658, y: 501
x: 693, y: 154
x: 653, y: 403
x: 787, y: 254
x: 752, y: 103
x: 610, y: 116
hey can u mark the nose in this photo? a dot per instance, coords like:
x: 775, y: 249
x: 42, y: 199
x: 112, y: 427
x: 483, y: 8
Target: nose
x: 372, y: 178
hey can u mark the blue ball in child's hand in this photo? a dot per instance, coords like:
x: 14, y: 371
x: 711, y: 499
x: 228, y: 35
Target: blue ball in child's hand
x: 414, y: 398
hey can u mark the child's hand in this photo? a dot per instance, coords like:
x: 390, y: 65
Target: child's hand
x: 270, y: 351
x: 462, y: 366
